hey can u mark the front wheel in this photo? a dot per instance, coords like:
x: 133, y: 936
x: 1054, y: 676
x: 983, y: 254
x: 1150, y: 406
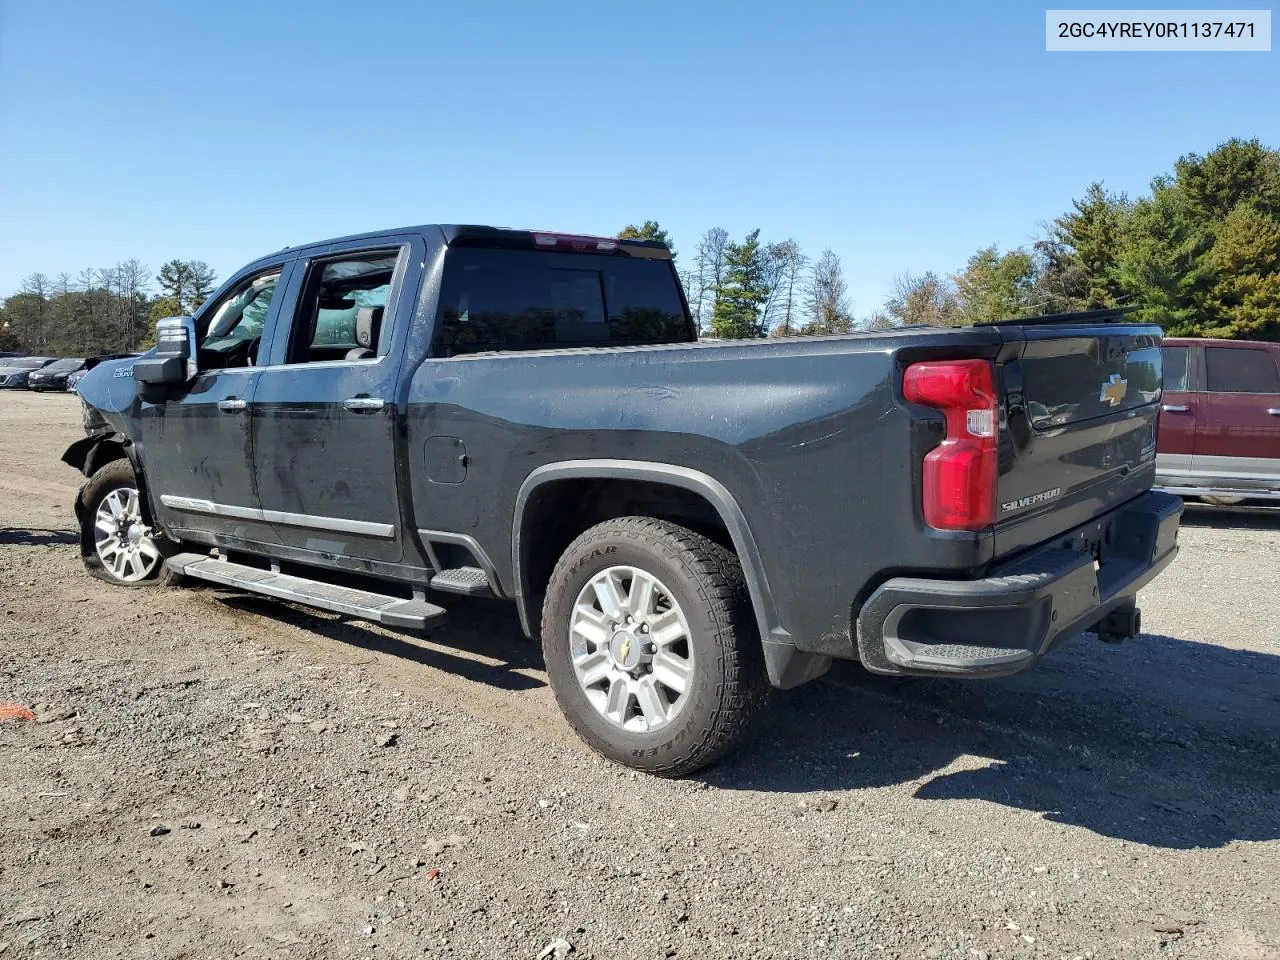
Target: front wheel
x: 651, y: 646
x: 116, y: 541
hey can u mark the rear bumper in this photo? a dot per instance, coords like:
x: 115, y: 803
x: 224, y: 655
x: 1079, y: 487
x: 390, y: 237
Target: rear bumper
x: 1002, y: 623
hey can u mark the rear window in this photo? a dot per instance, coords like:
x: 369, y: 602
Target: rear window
x: 1175, y: 367
x: 529, y: 299
x: 1240, y: 370
x: 58, y: 366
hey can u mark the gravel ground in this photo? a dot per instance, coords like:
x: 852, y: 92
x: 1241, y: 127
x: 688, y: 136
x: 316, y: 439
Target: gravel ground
x: 212, y: 775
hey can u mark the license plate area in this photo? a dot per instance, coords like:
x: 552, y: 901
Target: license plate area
x: 1097, y: 539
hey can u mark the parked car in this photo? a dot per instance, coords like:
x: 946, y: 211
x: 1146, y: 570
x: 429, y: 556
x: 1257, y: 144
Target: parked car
x: 1220, y: 420
x: 14, y: 371
x: 529, y: 416
x: 74, y: 378
x: 54, y: 375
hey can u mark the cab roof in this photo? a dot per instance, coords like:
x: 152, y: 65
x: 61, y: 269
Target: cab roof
x: 479, y: 235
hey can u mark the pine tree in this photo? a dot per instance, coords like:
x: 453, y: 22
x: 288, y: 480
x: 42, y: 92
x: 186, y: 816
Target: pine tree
x: 742, y: 293
x: 1091, y: 232
x: 175, y: 283
x: 202, y: 281
x: 187, y: 283
x: 649, y: 230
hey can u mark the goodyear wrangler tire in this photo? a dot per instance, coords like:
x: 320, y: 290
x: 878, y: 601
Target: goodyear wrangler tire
x: 651, y: 646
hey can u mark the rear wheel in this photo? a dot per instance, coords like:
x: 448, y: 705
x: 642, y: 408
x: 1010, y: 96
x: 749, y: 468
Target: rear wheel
x: 651, y: 646
x: 116, y: 541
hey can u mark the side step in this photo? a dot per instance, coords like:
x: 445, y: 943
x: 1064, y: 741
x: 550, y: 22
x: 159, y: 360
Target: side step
x: 954, y: 657
x: 392, y: 611
x: 471, y: 581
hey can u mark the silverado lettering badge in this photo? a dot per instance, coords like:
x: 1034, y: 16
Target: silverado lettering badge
x: 1114, y: 390
x: 1028, y: 501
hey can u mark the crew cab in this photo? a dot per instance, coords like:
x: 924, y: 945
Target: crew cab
x: 373, y: 424
x: 1220, y: 420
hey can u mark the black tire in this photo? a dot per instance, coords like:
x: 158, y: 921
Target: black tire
x: 1223, y: 501
x: 729, y: 682
x: 116, y: 475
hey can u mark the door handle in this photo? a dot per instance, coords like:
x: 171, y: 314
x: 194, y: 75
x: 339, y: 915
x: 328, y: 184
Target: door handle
x: 232, y: 405
x: 1175, y: 408
x: 1274, y: 411
x: 364, y: 404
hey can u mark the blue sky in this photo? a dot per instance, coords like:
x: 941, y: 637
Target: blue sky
x: 904, y: 136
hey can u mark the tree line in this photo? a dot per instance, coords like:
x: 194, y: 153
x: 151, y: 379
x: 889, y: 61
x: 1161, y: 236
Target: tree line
x: 104, y: 310
x: 1199, y: 254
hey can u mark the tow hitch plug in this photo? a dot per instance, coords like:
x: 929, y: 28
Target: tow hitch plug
x: 1123, y: 623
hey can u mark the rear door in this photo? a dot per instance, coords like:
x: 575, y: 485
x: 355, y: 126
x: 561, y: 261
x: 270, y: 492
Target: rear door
x: 1239, y: 438
x: 325, y: 413
x: 1180, y: 411
x: 1081, y: 406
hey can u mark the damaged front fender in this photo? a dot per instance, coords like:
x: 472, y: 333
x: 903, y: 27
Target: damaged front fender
x: 90, y: 454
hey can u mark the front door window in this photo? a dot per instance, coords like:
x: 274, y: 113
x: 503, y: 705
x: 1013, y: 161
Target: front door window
x: 235, y: 327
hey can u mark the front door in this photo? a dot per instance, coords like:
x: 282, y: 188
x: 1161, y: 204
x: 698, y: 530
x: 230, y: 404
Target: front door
x: 325, y: 415
x: 197, y: 436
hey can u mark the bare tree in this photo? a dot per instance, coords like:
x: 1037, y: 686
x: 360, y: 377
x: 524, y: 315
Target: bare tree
x: 133, y: 279
x: 927, y: 300
x: 785, y: 303
x: 31, y: 313
x: 827, y: 297
x: 773, y: 264
x: 707, y: 275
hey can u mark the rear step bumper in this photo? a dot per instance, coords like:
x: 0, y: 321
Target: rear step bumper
x: 1002, y: 623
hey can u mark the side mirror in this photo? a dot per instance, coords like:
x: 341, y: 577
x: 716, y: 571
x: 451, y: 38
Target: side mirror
x: 174, y: 360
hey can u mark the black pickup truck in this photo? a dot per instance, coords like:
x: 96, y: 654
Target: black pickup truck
x: 364, y: 423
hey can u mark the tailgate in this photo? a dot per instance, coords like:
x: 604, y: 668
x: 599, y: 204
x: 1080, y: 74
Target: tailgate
x: 1082, y: 401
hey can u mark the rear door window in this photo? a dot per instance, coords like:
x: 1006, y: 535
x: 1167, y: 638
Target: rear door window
x: 341, y: 311
x: 528, y: 299
x: 1175, y: 368
x: 1240, y: 370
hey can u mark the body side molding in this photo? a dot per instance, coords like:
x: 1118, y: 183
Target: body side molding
x: 335, y: 524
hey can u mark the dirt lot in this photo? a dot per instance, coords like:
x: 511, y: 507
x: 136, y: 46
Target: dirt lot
x: 214, y: 776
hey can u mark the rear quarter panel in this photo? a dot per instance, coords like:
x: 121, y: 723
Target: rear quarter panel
x: 809, y: 436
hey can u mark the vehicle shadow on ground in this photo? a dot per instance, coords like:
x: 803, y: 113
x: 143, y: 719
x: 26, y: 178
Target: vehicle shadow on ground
x: 24, y: 537
x: 1164, y: 742
x: 492, y: 650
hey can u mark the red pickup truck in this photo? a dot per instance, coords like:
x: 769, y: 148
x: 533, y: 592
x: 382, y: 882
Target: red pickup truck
x: 1219, y: 433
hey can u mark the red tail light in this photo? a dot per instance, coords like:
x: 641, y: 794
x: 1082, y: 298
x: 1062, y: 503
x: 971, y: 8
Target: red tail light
x: 960, y: 473
x: 576, y: 243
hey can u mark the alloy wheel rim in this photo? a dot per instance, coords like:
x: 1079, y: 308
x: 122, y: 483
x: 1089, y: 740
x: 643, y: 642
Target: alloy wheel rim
x: 124, y: 542
x: 630, y: 648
